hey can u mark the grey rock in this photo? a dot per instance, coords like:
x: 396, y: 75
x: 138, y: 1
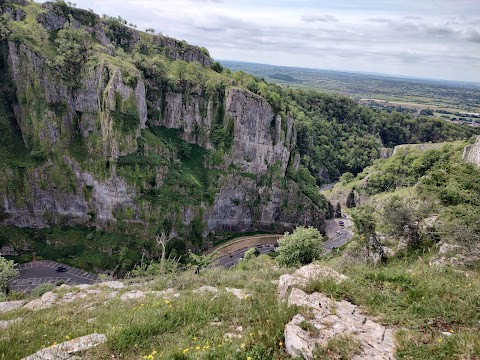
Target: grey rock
x: 47, y: 300
x: 132, y: 295
x: 7, y: 306
x: 303, y: 275
x: 332, y: 319
x: 471, y: 153
x: 68, y: 349
x: 112, y: 284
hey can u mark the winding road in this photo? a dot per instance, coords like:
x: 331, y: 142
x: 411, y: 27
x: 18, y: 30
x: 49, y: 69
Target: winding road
x: 337, y: 236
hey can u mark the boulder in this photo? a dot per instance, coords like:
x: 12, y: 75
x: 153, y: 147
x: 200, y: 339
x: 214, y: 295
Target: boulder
x: 332, y: 319
x: 46, y: 301
x: 68, y: 349
x: 303, y: 275
x: 10, y: 305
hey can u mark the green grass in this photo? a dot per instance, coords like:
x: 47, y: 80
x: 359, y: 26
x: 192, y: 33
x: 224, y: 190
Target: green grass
x: 420, y: 301
x: 139, y: 328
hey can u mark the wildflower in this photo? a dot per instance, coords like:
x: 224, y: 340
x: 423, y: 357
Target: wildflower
x: 280, y: 344
x: 195, y: 338
x: 197, y: 348
x: 440, y: 340
x: 249, y: 358
x: 242, y: 346
x: 251, y: 334
x: 186, y: 350
x: 451, y: 331
x: 67, y: 337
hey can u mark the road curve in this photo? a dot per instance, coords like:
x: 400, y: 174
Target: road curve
x: 335, y: 240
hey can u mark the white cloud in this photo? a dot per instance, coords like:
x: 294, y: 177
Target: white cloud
x: 418, y: 38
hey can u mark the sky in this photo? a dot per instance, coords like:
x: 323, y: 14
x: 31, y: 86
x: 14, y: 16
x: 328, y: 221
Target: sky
x: 437, y: 39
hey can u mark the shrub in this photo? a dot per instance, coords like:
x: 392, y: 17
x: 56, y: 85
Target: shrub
x: 301, y: 247
x: 251, y: 253
x: 42, y: 289
x: 7, y: 272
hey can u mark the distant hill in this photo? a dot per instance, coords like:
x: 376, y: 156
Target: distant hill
x: 437, y: 94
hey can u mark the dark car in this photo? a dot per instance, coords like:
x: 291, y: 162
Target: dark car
x: 61, y: 269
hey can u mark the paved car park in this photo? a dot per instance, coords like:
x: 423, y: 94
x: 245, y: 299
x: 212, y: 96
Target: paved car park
x: 36, y: 273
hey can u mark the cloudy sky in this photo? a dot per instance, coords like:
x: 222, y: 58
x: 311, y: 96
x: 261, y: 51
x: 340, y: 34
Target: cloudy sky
x: 425, y: 38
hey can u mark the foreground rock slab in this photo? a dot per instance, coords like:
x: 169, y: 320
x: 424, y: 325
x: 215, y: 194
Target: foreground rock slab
x: 46, y: 301
x: 68, y: 349
x: 332, y: 319
x: 10, y: 305
x: 303, y: 275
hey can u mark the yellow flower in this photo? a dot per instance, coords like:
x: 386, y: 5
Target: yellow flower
x: 197, y: 348
x: 451, y: 331
x: 280, y: 343
x: 249, y: 358
x: 251, y: 334
x: 195, y: 338
x: 67, y: 337
x: 440, y: 340
x: 242, y: 346
x: 186, y: 350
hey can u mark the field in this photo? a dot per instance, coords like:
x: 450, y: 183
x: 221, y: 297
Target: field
x: 442, y: 95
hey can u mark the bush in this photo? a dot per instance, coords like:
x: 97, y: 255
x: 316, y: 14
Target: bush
x: 301, y: 247
x: 7, y: 272
x: 251, y: 253
x: 42, y: 289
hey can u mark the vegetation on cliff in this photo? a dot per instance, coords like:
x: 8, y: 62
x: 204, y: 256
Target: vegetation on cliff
x: 140, y: 122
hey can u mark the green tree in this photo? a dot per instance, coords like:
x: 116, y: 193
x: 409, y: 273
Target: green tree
x: 403, y: 219
x: 301, y: 247
x: 251, y: 253
x: 7, y: 272
x: 217, y: 67
x: 365, y: 226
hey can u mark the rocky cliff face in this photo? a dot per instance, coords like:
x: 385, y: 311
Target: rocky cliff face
x: 472, y: 153
x: 102, y: 156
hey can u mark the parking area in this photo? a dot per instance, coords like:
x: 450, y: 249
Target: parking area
x: 45, y: 272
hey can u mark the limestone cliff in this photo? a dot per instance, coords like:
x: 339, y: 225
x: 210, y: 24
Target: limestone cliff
x: 146, y: 134
x: 472, y: 153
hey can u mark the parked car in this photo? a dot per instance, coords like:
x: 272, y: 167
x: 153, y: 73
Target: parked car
x: 341, y: 223
x: 61, y: 269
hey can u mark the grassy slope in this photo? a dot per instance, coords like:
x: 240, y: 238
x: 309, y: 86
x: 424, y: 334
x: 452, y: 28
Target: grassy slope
x: 418, y: 300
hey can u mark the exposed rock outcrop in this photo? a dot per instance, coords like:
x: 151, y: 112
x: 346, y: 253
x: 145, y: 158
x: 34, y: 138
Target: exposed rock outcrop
x: 329, y: 319
x: 332, y: 319
x: 80, y: 130
x: 68, y: 349
x: 7, y: 306
x: 303, y: 275
x: 471, y: 153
